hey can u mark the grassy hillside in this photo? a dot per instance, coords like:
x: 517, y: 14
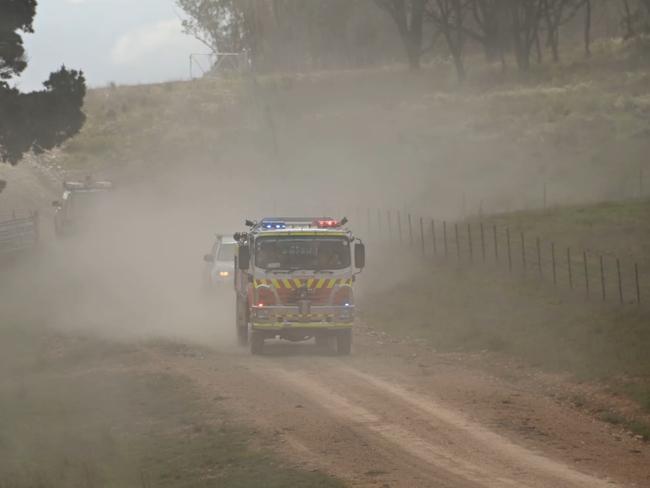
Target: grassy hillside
x: 392, y: 138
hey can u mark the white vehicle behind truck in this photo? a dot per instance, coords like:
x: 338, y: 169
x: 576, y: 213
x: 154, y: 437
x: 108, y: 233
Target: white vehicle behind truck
x: 220, y: 263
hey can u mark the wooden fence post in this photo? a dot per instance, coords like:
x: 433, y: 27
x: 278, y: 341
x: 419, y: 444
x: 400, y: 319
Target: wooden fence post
x: 399, y: 226
x: 483, y: 241
x: 636, y: 279
x: 602, y: 277
x: 586, y: 264
x: 444, y: 235
x: 379, y: 226
x: 433, y: 237
x: 620, y: 282
x: 390, y: 226
x: 470, y: 243
x: 509, y: 250
x: 553, y: 262
x: 424, y: 252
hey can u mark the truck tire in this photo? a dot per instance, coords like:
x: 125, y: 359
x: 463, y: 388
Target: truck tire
x: 241, y: 322
x: 257, y: 342
x: 323, y: 341
x: 344, y: 342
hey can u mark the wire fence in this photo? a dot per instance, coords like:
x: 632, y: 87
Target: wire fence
x: 598, y: 275
x: 19, y: 231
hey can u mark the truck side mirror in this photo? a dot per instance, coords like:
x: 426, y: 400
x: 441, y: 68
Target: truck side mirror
x: 244, y: 257
x: 208, y: 258
x: 360, y: 255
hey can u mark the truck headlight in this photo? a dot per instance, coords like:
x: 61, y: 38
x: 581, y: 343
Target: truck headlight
x: 224, y: 274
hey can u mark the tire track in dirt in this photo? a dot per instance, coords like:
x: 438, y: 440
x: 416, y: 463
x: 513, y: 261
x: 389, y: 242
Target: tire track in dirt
x: 371, y: 422
x: 466, y: 451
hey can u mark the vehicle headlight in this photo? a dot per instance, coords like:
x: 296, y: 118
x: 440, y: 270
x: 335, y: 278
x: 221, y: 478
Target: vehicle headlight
x: 224, y: 274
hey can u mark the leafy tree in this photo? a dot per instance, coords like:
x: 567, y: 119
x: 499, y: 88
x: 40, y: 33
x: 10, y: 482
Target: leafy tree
x: 219, y: 24
x: 40, y: 120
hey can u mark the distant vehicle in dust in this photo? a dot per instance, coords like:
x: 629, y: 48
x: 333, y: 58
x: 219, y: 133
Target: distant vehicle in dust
x: 294, y: 281
x: 79, y: 202
x: 220, y: 263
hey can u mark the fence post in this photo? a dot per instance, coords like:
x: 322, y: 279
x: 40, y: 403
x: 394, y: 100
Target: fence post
x: 509, y: 250
x: 569, y: 267
x: 399, y: 226
x: 538, y: 245
x: 379, y: 222
x: 433, y: 237
x: 553, y: 261
x: 390, y: 226
x: 369, y: 223
x: 482, y: 241
x: 638, y: 288
x: 496, y: 243
x: 523, y: 251
x: 424, y: 252
x: 410, y: 231
x: 640, y: 183
x: 584, y: 260
x: 602, y: 277
x: 470, y: 242
x: 620, y: 282
x: 444, y: 236
x: 457, y: 241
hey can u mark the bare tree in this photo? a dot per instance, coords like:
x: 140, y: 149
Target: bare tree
x: 488, y: 18
x: 588, y: 8
x: 448, y: 16
x: 526, y: 16
x: 556, y: 14
x: 409, y: 18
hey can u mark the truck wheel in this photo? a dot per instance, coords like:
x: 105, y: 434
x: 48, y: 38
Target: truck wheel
x: 344, y: 342
x: 322, y: 341
x: 242, y: 336
x: 241, y: 322
x: 257, y: 342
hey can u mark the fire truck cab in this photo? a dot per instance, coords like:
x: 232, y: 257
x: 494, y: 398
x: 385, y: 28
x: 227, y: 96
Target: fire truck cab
x: 294, y: 280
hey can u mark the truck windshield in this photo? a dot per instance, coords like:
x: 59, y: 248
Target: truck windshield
x: 313, y: 253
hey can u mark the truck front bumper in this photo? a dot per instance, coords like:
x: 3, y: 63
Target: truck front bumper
x: 314, y: 317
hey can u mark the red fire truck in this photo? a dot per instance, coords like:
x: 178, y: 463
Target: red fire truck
x: 294, y: 280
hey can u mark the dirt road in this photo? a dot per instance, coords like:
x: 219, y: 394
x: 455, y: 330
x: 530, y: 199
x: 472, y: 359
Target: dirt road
x: 396, y: 415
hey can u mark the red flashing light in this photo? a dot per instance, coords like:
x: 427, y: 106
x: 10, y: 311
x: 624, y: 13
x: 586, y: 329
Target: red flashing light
x: 327, y: 224
x: 260, y: 304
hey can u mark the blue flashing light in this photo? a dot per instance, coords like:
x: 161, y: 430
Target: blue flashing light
x: 268, y: 224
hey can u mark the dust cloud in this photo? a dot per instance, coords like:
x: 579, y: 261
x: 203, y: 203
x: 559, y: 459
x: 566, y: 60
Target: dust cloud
x: 358, y: 144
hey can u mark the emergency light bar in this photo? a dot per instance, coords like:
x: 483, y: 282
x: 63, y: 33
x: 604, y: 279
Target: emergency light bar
x: 327, y: 224
x: 273, y: 224
x: 94, y: 185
